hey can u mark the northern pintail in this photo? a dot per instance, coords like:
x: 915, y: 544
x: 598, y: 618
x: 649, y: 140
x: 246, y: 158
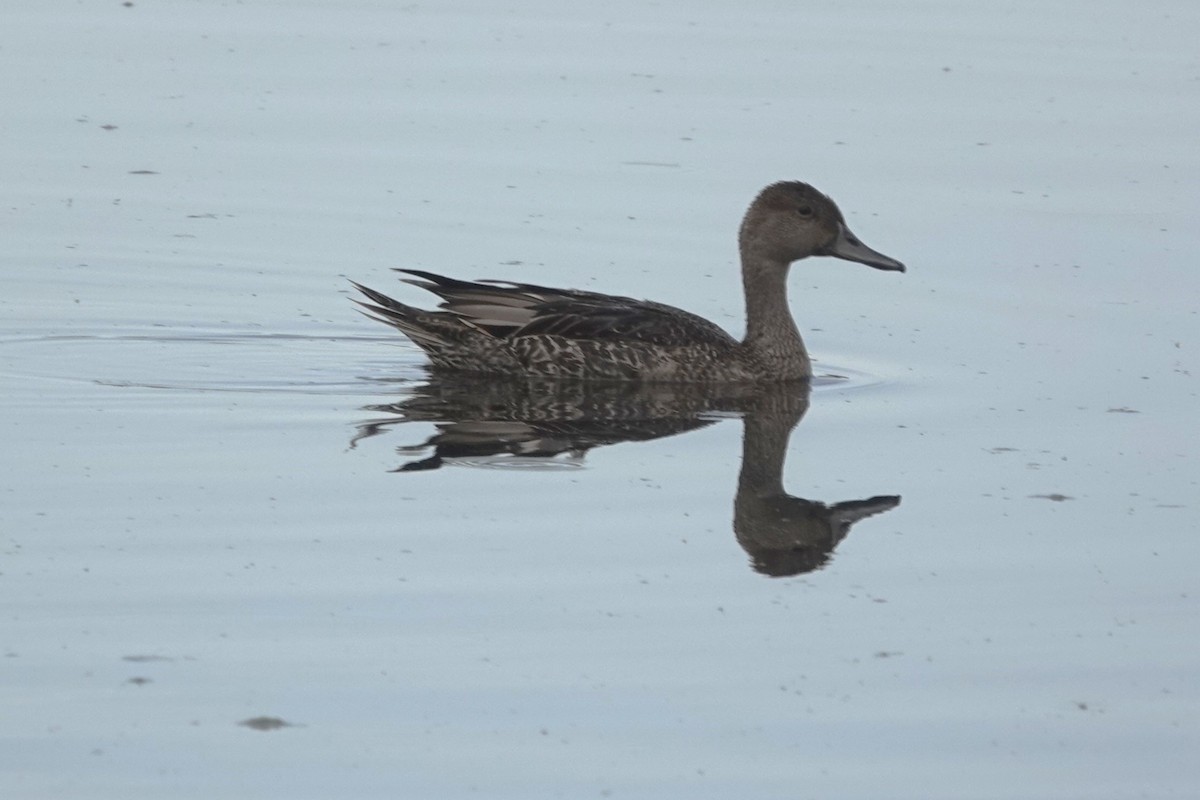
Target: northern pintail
x: 520, y: 329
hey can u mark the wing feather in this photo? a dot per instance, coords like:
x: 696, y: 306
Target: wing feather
x: 506, y: 309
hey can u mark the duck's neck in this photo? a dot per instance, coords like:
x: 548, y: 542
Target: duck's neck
x: 771, y: 334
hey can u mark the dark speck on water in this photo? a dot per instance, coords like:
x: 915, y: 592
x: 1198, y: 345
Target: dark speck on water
x: 266, y: 723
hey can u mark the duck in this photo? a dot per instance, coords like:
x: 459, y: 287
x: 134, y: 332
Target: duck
x: 504, y: 328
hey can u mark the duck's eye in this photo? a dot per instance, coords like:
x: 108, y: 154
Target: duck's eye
x: 805, y: 211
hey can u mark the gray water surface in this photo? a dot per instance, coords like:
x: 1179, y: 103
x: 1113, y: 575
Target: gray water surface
x: 964, y: 566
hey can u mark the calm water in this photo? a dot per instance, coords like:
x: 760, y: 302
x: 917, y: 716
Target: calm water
x: 250, y: 550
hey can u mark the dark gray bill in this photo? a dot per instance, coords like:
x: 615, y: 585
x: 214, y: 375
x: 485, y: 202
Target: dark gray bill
x: 851, y: 248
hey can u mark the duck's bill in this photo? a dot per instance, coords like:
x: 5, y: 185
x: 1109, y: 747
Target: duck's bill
x: 851, y: 248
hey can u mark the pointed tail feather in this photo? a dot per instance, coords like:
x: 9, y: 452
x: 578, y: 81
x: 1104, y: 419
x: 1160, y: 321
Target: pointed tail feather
x: 400, y: 316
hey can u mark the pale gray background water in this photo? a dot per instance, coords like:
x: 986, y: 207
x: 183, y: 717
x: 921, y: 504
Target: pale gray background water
x: 190, y: 541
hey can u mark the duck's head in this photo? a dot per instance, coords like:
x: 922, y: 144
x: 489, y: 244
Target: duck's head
x: 791, y: 220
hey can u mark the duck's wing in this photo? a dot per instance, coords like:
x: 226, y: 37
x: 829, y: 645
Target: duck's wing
x: 626, y: 320
x: 507, y: 310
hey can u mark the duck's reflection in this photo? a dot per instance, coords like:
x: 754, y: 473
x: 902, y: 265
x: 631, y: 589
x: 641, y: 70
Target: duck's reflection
x: 543, y: 422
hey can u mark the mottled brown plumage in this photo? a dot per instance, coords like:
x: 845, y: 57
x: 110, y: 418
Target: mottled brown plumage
x: 519, y: 329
